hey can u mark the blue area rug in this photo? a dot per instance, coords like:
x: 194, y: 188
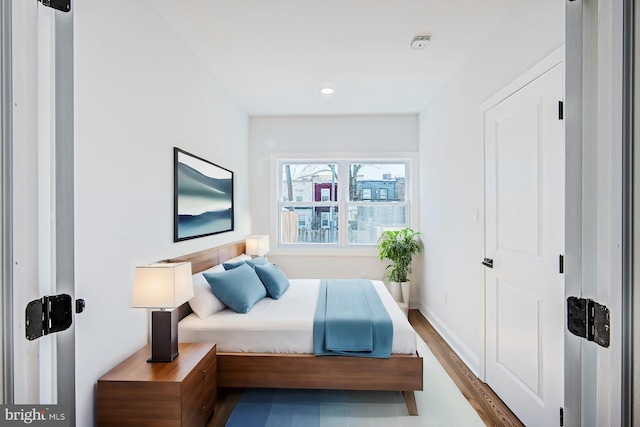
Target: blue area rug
x: 312, y: 408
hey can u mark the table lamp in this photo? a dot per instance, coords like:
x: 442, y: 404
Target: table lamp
x: 257, y: 245
x: 163, y: 286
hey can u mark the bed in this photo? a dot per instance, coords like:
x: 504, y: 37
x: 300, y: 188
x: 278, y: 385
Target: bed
x: 252, y: 354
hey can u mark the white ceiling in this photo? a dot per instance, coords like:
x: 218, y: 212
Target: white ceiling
x: 272, y: 56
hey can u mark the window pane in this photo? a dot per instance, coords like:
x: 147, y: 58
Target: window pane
x: 309, y: 182
x: 309, y: 224
x: 377, y: 181
x: 366, y: 223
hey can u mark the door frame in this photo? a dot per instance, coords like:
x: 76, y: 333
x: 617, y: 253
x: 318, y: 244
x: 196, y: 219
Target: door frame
x: 597, y: 205
x: 64, y: 250
x: 6, y: 218
x: 630, y: 378
x: 41, y: 120
x: 547, y: 63
x: 573, y: 203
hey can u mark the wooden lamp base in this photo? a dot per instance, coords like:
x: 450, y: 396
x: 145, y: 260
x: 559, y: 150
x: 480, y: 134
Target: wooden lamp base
x: 164, y: 336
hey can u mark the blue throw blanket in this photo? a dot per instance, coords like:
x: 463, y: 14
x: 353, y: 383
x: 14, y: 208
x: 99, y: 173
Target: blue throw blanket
x: 351, y: 320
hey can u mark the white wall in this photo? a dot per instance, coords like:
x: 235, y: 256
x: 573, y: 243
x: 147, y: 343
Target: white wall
x: 451, y: 171
x: 139, y: 91
x: 330, y: 135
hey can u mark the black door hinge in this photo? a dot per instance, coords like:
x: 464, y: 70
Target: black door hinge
x: 560, y: 110
x: 487, y: 262
x: 588, y: 319
x: 561, y: 417
x: 561, y: 264
x: 47, y: 315
x: 62, y: 5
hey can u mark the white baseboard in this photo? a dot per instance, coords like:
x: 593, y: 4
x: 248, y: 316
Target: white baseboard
x: 469, y: 358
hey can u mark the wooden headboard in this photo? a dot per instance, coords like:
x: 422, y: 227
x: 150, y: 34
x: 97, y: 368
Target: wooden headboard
x: 203, y: 260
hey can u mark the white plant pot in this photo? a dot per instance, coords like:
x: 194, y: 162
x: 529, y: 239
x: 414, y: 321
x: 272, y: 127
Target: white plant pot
x: 405, y: 287
x: 395, y: 291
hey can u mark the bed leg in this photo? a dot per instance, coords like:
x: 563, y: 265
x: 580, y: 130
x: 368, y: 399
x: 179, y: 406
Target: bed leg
x: 410, y: 400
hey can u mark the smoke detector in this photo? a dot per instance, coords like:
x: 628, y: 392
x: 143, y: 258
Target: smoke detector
x: 420, y: 42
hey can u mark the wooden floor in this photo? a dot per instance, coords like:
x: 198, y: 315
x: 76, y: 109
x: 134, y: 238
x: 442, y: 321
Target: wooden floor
x: 486, y: 403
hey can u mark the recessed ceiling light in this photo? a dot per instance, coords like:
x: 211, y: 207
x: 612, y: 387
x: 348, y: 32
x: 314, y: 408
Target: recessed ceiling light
x: 326, y: 90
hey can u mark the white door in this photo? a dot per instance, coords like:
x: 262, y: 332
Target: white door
x: 524, y: 191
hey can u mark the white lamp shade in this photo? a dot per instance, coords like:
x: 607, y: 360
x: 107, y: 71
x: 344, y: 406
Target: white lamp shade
x: 162, y: 285
x: 257, y: 245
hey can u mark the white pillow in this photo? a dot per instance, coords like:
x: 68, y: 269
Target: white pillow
x: 242, y: 257
x: 204, y: 303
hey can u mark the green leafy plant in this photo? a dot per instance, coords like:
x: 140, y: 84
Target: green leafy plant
x: 398, y: 246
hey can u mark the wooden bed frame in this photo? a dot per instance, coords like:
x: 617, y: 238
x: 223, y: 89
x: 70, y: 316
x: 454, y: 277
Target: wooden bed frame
x: 306, y: 371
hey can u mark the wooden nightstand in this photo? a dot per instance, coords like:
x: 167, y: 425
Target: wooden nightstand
x: 178, y: 393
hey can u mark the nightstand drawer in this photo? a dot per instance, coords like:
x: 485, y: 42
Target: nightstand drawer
x: 199, y: 394
x: 160, y: 394
x: 138, y: 404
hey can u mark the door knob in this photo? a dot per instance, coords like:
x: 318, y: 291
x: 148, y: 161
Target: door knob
x: 488, y: 262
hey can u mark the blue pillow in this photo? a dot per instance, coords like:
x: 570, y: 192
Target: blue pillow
x: 232, y: 265
x: 239, y: 288
x: 251, y: 262
x: 273, y: 279
x: 257, y: 261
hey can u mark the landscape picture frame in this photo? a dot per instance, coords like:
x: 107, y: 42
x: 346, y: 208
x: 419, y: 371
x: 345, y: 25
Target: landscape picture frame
x: 203, y: 197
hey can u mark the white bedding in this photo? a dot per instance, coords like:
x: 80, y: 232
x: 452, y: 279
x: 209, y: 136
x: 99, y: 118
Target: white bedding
x: 284, y: 325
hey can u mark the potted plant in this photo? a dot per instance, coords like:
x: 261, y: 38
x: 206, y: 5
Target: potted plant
x: 399, y: 246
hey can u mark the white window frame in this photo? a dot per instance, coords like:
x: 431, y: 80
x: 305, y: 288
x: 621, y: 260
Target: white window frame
x: 410, y: 159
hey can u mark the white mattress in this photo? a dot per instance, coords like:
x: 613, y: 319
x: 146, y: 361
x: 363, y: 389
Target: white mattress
x: 284, y: 325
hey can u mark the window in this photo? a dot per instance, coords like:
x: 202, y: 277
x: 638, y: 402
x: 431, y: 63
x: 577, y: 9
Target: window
x: 324, y: 221
x: 340, y: 203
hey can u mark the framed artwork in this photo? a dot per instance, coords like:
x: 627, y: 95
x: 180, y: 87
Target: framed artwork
x: 203, y: 197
